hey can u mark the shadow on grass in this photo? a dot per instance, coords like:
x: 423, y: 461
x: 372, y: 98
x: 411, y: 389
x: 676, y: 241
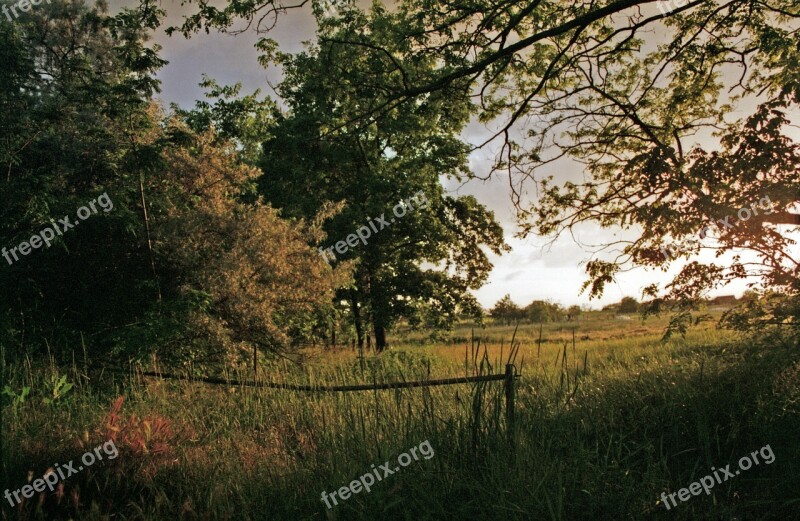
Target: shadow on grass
x: 619, y: 444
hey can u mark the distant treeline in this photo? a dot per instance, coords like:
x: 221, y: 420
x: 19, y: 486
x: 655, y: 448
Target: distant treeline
x: 506, y: 311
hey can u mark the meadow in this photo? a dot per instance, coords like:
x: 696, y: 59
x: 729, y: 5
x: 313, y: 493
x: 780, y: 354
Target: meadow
x: 602, y: 428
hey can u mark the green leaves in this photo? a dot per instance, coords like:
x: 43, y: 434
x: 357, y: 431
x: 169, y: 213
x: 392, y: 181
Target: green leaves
x: 17, y: 399
x: 322, y: 153
x: 77, y: 122
x: 57, y: 388
x: 244, y: 120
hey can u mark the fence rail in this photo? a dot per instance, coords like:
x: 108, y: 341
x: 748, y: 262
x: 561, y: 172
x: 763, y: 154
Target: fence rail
x: 507, y: 378
x: 333, y: 388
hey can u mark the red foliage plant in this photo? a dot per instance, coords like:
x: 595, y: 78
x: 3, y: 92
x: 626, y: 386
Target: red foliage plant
x: 148, y: 441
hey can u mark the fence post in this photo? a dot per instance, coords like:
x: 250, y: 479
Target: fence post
x: 510, y: 412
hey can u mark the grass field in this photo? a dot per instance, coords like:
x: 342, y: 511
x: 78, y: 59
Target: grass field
x: 600, y: 433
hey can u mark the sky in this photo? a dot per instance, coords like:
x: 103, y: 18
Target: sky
x: 537, y: 268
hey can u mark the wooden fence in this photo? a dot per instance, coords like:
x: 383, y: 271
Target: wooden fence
x: 507, y: 378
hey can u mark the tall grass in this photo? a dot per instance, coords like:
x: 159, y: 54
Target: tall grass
x: 602, y: 429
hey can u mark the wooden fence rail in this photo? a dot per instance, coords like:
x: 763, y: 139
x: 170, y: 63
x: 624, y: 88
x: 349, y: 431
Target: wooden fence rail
x: 335, y: 388
x: 507, y: 378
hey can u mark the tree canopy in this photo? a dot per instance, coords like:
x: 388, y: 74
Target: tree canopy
x: 422, y: 265
x: 679, y: 115
x: 186, y: 261
x: 675, y: 121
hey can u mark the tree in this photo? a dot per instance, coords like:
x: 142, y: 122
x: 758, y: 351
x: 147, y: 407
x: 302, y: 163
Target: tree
x: 543, y: 311
x: 630, y: 113
x: 628, y: 305
x: 76, y: 124
x: 184, y: 260
x: 537, y: 311
x: 244, y: 120
x: 506, y: 311
x: 255, y: 277
x: 388, y: 170
x: 573, y: 312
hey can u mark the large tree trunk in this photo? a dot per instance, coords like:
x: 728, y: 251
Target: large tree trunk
x: 357, y: 319
x: 380, y: 335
